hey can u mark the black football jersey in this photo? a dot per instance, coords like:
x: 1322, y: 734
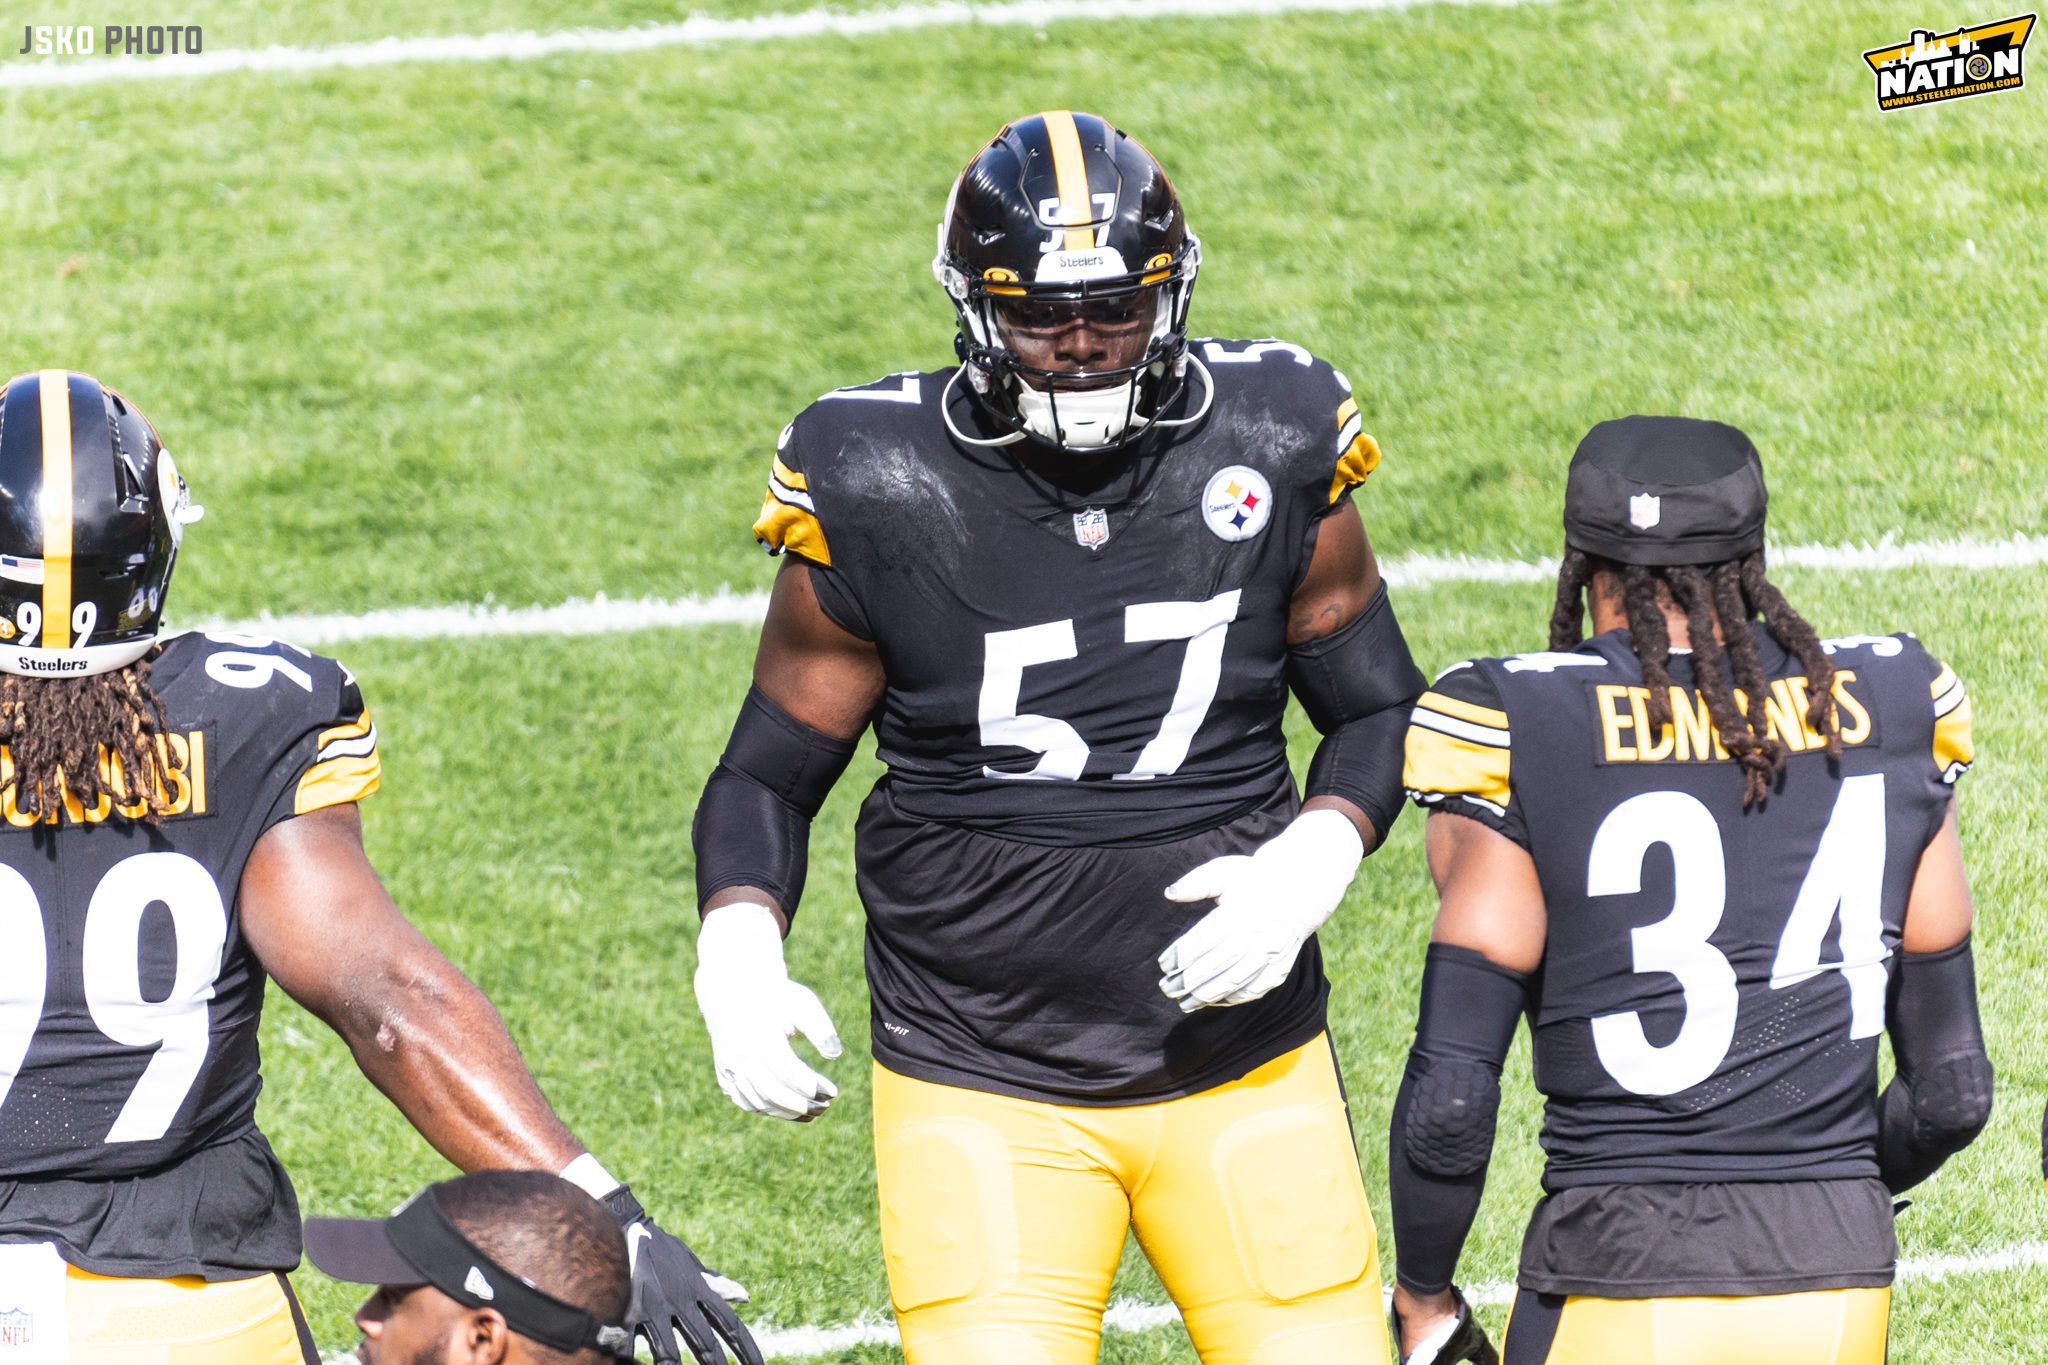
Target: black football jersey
x: 1074, y: 666
x: 1070, y: 666
x: 129, y: 1001
x: 1714, y: 978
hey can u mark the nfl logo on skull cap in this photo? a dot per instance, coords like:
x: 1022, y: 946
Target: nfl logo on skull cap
x: 17, y: 1328
x: 1237, y: 502
x: 1644, y: 509
x: 1091, y: 528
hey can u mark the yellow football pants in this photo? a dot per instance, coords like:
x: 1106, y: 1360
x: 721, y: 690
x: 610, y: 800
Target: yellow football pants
x: 1003, y: 1219
x: 1824, y: 1327
x: 185, y: 1321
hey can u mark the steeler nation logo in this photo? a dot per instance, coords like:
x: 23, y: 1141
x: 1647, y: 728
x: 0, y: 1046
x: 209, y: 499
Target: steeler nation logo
x: 1237, y: 502
x: 1976, y: 59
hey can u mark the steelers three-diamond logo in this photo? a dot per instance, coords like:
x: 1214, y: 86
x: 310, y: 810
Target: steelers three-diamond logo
x: 1237, y: 502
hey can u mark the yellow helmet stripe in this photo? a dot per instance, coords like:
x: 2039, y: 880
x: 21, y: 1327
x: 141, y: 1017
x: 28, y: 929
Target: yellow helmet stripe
x: 1070, y: 171
x: 55, y: 392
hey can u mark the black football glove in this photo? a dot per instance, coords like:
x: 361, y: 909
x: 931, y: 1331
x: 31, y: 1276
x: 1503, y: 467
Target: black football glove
x: 1467, y: 1343
x: 673, y: 1296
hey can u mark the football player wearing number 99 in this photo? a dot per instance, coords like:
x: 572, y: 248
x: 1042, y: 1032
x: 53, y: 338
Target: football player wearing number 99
x: 1070, y: 582
x: 1711, y: 858
x: 177, y: 821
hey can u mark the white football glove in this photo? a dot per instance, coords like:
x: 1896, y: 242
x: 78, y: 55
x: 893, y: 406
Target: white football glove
x: 1267, y: 904
x: 752, y: 1009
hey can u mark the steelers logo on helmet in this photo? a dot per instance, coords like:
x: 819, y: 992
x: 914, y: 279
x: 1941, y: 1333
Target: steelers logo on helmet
x: 1069, y: 266
x: 1237, y: 502
x: 91, y: 509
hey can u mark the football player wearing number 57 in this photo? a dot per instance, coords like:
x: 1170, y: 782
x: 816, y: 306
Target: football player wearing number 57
x: 1711, y: 858
x: 177, y: 821
x: 1070, y: 581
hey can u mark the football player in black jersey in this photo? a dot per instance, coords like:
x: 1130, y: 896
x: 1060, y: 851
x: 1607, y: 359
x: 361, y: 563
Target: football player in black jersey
x: 177, y: 821
x: 1711, y: 857
x: 1070, y: 582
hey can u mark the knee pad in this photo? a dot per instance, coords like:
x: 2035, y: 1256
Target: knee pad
x: 1952, y: 1102
x: 1290, y: 1182
x: 949, y: 1218
x: 1452, y: 1107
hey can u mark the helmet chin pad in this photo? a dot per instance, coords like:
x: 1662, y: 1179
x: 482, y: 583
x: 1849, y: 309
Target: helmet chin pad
x: 1079, y: 419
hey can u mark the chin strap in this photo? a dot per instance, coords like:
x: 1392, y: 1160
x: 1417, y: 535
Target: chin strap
x: 1208, y: 399
x: 946, y: 415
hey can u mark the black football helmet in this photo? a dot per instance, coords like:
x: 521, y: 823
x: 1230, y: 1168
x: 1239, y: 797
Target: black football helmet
x: 1064, y: 217
x: 91, y: 513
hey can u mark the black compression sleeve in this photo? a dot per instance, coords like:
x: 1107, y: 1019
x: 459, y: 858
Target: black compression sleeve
x: 753, y: 822
x: 1442, y: 1134
x: 1940, y: 1098
x: 1357, y: 685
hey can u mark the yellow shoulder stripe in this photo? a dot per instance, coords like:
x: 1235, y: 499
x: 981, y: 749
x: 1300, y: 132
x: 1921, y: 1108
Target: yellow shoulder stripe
x: 1463, y: 710
x: 1955, y: 747
x: 784, y: 527
x: 350, y: 778
x: 355, y: 729
x: 1448, y: 766
x: 784, y: 474
x: 1943, y: 681
x: 1359, y: 459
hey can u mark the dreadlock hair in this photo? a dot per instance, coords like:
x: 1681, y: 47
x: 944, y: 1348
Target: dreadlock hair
x: 1729, y: 595
x: 87, y: 739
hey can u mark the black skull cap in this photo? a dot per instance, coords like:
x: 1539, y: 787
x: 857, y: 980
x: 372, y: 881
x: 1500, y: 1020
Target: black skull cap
x: 1661, y: 491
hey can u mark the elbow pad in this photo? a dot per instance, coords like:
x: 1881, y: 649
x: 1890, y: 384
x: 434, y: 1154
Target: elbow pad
x: 1941, y: 1097
x: 753, y: 822
x: 1357, y: 685
x: 1444, y: 1115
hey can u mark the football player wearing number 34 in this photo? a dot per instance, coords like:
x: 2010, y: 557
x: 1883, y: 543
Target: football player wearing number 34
x: 1070, y: 582
x: 177, y: 821
x: 1712, y: 858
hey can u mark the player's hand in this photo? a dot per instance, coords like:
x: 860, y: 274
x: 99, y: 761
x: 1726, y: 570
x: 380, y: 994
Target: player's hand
x: 752, y: 1009
x: 1439, y: 1329
x: 1267, y: 904
x: 676, y: 1303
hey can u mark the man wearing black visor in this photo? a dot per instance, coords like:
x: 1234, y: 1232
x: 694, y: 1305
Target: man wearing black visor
x: 495, y: 1268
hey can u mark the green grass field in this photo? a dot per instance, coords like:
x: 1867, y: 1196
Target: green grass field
x: 527, y: 330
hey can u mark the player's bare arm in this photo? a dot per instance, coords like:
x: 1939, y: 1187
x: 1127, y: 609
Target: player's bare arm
x: 1491, y: 904
x: 1341, y: 580
x: 1940, y: 1097
x: 819, y: 673
x: 815, y: 685
x: 325, y: 928
x: 322, y: 924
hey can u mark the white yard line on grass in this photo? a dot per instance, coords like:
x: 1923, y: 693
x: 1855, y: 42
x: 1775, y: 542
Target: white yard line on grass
x: 1126, y: 1315
x: 696, y: 31
x: 612, y: 616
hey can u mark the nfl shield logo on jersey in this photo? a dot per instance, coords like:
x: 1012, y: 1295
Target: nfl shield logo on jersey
x: 1237, y: 502
x: 17, y: 1328
x: 1644, y: 509
x: 1091, y: 528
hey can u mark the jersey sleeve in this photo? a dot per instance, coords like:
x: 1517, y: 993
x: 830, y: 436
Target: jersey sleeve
x: 1459, y: 752
x: 789, y: 522
x: 328, y: 755
x: 1358, y: 454
x: 1955, y: 749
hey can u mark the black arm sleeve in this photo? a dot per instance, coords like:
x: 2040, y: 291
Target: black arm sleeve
x: 1442, y: 1134
x: 753, y: 824
x: 1357, y: 685
x: 1940, y: 1098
